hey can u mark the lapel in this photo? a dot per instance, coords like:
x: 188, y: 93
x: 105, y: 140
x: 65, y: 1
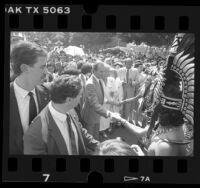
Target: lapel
x: 56, y: 134
x: 81, y: 145
x: 102, y: 88
x: 83, y: 79
x: 14, y: 110
x: 42, y: 98
x: 15, y: 128
x: 38, y: 98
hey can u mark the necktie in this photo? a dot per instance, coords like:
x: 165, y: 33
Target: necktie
x: 32, y: 108
x: 127, y: 75
x: 102, y: 90
x: 72, y: 136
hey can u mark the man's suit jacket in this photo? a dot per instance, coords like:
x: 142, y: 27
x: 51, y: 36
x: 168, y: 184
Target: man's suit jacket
x: 15, y: 128
x: 44, y: 136
x: 93, y: 108
x: 82, y: 100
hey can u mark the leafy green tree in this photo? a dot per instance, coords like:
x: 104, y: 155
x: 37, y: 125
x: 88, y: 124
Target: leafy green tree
x: 97, y: 41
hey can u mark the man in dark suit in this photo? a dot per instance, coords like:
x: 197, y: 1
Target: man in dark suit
x: 93, y: 108
x: 27, y: 96
x: 56, y: 130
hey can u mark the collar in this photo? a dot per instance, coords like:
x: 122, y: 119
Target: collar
x: 22, y: 92
x: 60, y: 116
x: 96, y: 78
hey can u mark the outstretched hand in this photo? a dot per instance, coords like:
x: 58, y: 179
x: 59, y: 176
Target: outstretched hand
x: 114, y: 103
x: 115, y: 115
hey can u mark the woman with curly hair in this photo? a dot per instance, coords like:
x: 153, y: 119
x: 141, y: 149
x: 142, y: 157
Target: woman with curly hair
x: 169, y: 138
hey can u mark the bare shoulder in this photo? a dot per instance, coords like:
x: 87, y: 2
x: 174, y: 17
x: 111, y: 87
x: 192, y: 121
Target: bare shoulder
x: 163, y: 149
x: 159, y: 148
x: 151, y: 149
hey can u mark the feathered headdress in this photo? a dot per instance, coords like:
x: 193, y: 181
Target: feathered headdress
x: 176, y: 88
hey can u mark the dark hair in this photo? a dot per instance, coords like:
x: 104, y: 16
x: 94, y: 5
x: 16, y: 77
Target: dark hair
x: 86, y: 68
x: 25, y: 53
x: 115, y: 147
x: 65, y: 86
x: 80, y: 64
x: 170, y: 117
x: 71, y: 72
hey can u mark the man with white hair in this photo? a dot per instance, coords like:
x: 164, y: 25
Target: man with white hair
x: 93, y: 108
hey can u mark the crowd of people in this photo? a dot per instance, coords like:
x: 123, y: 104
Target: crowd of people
x: 69, y: 105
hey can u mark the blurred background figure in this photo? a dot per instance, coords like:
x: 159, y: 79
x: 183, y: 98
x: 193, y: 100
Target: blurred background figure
x: 50, y: 75
x: 115, y: 95
x: 141, y: 80
x: 85, y: 73
x: 105, y: 122
x: 115, y: 147
x: 118, y: 65
x: 58, y: 66
x: 129, y: 78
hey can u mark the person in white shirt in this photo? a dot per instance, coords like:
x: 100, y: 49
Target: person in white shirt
x: 113, y: 96
x: 56, y: 130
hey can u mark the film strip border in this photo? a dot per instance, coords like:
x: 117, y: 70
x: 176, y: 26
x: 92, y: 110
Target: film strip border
x: 104, y: 169
x: 110, y: 22
x: 108, y: 169
x: 107, y: 18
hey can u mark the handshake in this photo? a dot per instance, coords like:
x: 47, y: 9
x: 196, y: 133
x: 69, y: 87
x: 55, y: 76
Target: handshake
x: 115, y: 115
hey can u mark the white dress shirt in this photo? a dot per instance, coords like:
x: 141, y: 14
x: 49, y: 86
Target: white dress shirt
x: 23, y: 100
x: 61, y: 122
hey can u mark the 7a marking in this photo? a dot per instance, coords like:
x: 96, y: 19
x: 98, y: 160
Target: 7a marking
x: 145, y: 178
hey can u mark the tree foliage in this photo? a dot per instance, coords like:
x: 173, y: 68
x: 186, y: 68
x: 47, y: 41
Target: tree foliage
x: 96, y: 41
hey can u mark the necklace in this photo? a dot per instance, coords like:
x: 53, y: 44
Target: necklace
x: 164, y: 130
x: 163, y: 133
